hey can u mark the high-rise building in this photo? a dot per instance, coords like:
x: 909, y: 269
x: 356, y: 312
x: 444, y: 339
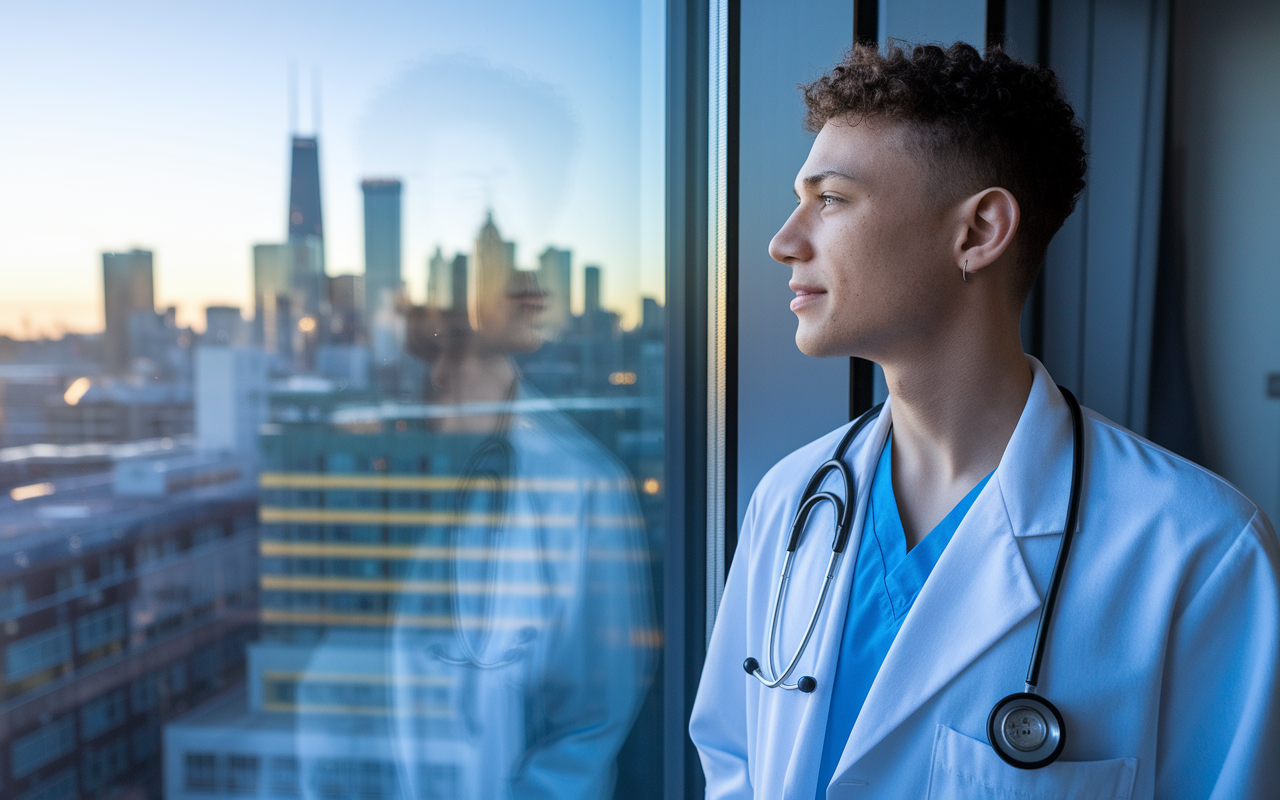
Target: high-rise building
x: 495, y: 260
x: 554, y: 271
x: 224, y: 325
x: 446, y: 281
x: 288, y: 286
x: 346, y: 308
x: 128, y: 286
x: 590, y: 290
x: 304, y: 191
x: 439, y: 281
x: 381, y: 243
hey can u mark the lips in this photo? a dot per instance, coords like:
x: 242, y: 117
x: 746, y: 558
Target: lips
x: 805, y: 295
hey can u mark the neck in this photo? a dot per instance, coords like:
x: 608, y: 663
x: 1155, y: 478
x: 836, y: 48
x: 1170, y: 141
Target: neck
x: 474, y: 378
x: 956, y: 403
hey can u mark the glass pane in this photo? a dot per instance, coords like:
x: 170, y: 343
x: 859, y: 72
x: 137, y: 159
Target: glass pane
x: 331, y: 444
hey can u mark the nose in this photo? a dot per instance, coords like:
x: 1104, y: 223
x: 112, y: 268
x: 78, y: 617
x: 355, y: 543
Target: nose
x: 790, y: 244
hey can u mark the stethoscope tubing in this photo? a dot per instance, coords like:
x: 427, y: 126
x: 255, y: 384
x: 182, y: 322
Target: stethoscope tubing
x: 1064, y: 547
x: 844, y: 513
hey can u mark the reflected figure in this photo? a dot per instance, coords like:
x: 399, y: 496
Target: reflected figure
x: 521, y: 643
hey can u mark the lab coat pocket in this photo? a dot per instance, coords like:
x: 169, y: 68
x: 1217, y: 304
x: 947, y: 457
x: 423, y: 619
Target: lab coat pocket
x: 968, y: 769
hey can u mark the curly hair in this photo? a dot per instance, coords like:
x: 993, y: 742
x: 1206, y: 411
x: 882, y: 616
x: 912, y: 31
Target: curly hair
x: 978, y: 121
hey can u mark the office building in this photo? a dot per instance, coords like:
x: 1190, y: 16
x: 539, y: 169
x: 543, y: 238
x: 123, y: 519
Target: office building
x: 305, y: 219
x: 447, y: 281
x: 590, y: 290
x: 123, y: 603
x: 230, y: 398
x: 346, y: 309
x: 382, y: 281
x: 554, y: 271
x: 160, y: 350
x: 107, y: 410
x: 224, y: 325
x: 289, y: 283
x: 128, y: 286
x: 495, y: 260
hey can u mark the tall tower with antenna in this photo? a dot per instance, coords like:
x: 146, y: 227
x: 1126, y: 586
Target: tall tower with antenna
x: 305, y: 218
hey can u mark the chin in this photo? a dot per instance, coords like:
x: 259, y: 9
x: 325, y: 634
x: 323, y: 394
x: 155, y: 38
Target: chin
x: 817, y: 346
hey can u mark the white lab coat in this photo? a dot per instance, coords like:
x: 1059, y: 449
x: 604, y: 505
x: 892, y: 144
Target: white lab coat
x: 568, y: 586
x: 1162, y: 657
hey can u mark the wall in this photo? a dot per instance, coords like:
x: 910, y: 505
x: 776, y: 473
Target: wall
x: 785, y: 398
x: 1226, y: 168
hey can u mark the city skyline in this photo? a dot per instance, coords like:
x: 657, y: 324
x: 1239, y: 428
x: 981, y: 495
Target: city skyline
x: 191, y: 162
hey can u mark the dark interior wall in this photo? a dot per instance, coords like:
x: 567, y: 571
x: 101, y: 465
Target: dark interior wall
x: 1225, y: 174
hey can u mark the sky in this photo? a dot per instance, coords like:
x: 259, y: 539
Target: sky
x: 166, y: 126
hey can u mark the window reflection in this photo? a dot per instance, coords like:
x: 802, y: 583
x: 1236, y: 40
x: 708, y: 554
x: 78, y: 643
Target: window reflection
x: 391, y: 526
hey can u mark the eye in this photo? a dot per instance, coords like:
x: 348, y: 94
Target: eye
x: 828, y: 200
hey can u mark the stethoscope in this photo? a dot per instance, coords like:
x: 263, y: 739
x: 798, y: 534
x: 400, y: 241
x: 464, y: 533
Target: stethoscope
x: 1024, y: 729
x: 492, y: 462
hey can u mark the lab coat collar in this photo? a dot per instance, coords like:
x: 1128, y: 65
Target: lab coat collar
x: 980, y: 588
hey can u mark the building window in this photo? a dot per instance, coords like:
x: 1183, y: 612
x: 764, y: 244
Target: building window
x: 37, y: 653
x: 101, y: 715
x: 242, y: 774
x: 60, y: 786
x: 284, y: 777
x: 44, y: 746
x: 99, y: 628
x: 201, y: 772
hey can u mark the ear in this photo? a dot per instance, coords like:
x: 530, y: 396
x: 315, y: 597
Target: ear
x: 988, y: 222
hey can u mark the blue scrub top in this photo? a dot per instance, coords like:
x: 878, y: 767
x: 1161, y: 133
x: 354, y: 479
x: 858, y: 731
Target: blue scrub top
x: 886, y: 580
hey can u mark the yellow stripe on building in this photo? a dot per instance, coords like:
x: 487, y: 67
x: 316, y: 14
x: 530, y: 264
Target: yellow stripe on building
x: 440, y: 621
x: 340, y: 677
x: 429, y: 483
x: 353, y: 516
x: 391, y: 552
x: 434, y: 712
x: 309, y: 584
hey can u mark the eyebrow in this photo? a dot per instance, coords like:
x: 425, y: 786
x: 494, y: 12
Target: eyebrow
x: 817, y: 178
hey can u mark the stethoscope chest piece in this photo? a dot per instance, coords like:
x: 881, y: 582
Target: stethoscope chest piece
x: 1026, y: 731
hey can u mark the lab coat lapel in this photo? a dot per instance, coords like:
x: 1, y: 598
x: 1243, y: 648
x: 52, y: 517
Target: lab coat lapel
x: 980, y: 588
x: 806, y: 755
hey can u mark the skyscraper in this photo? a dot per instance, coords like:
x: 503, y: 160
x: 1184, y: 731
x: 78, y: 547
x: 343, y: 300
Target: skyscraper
x: 590, y: 290
x: 495, y: 261
x: 554, y: 270
x: 381, y: 242
x: 346, y: 304
x: 128, y: 286
x: 447, y: 281
x: 288, y: 285
x: 304, y: 191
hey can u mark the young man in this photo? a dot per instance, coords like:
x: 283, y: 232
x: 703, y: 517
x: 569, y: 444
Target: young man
x: 934, y: 185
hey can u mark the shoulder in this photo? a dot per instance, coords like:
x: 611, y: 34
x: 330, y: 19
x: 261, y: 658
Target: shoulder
x: 1150, y: 477
x: 1172, y: 507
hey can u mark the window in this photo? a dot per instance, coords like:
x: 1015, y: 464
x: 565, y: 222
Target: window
x: 242, y: 774
x: 103, y: 763
x: 59, y: 786
x: 201, y: 772
x: 101, y: 715
x: 284, y: 777
x: 38, y: 652
x: 374, y: 389
x: 46, y: 745
x: 99, y: 628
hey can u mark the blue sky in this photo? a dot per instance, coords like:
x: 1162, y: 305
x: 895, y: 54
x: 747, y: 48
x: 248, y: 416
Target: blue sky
x: 165, y: 125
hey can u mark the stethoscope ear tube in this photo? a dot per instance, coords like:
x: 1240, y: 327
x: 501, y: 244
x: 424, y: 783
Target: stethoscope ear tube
x: 844, y: 521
